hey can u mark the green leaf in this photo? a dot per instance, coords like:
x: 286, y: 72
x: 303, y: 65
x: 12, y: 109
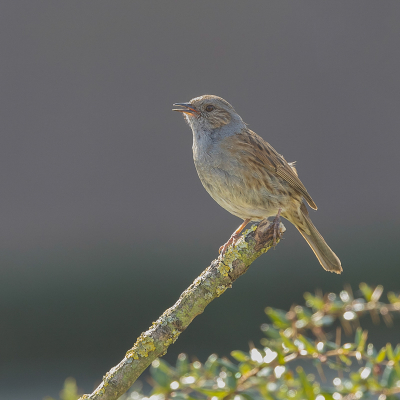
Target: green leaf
x: 366, y: 291
x: 330, y: 345
x: 305, y: 383
x: 281, y: 357
x: 346, y: 360
x: 182, y: 364
x: 213, y: 392
x: 244, y: 368
x: 355, y: 377
x: 308, y: 345
x: 397, y: 353
x: 388, y: 377
x: 393, y: 298
x: 240, y: 356
x: 278, y: 317
x: 303, y: 313
x: 357, y: 336
x: 393, y: 357
x: 334, y: 365
x: 287, y: 342
x: 270, y: 331
x: 164, y: 366
x: 381, y: 355
x: 211, y: 364
x: 361, y: 339
x: 70, y: 390
x: 315, y: 302
x: 230, y: 366
x: 160, y: 377
x: 336, y: 306
x: 231, y: 381
x: 389, y: 352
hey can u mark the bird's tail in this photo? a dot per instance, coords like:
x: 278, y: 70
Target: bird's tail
x: 328, y: 259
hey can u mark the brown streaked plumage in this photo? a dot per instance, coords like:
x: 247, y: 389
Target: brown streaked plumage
x: 257, y: 153
x: 246, y: 175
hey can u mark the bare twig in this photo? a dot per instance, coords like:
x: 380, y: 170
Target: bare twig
x: 154, y: 343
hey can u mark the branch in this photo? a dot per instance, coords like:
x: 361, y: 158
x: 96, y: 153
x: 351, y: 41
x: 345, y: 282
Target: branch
x: 154, y: 343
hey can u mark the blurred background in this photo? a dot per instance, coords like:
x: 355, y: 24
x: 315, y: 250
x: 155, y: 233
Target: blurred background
x: 104, y: 221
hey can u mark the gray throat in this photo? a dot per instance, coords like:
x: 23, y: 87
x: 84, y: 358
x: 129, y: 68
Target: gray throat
x: 205, y: 141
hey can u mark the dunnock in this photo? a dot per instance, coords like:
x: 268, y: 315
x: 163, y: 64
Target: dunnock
x: 245, y: 175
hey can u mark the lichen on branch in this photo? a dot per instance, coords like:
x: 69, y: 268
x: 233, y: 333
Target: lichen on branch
x: 211, y: 284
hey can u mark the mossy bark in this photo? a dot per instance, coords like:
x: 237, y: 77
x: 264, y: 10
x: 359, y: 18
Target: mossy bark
x: 213, y: 281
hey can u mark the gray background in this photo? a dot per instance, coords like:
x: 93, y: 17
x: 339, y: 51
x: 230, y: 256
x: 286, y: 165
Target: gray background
x: 103, y: 219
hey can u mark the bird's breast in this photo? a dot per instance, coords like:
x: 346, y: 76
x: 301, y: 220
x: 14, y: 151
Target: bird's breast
x: 232, y: 191
x: 233, y: 185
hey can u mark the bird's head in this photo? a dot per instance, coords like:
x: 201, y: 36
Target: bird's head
x: 208, y: 112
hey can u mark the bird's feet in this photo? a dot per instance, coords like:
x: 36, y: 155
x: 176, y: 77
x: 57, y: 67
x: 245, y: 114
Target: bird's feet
x: 232, y: 240
x: 275, y: 226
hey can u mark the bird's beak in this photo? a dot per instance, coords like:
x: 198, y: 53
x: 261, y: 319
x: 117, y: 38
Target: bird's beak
x: 187, y: 108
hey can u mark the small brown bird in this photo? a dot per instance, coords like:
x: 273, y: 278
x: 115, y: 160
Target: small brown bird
x: 245, y: 175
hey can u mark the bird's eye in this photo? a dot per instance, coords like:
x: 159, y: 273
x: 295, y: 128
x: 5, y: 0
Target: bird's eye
x: 209, y: 108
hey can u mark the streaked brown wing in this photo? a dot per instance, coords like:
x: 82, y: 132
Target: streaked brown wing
x: 261, y: 153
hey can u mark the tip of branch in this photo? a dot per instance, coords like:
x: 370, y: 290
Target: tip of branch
x: 265, y: 233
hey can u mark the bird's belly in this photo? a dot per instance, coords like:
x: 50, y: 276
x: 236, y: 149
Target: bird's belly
x: 245, y: 208
x: 241, y: 199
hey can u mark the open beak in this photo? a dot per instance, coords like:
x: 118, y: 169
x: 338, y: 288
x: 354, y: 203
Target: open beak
x: 187, y: 108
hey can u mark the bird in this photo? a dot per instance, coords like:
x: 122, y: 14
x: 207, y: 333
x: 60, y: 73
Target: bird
x: 245, y: 175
